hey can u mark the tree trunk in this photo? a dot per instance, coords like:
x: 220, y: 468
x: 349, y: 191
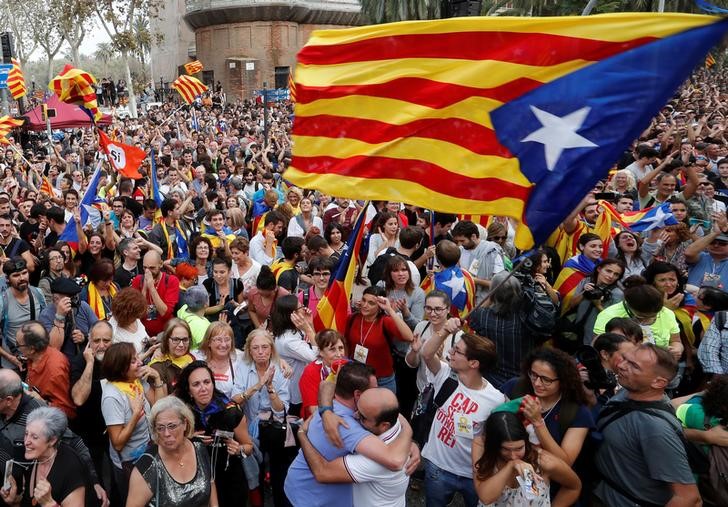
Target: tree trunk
x: 129, y: 86
x: 75, y: 55
x: 588, y: 8
x: 49, y: 68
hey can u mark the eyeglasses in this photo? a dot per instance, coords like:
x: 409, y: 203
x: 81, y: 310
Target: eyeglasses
x: 221, y: 339
x: 179, y: 339
x: 55, y: 258
x: 161, y: 428
x: 546, y: 381
x: 322, y: 274
x: 435, y: 309
x: 456, y: 350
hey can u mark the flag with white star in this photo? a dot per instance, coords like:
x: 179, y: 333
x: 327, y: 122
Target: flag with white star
x: 502, y: 116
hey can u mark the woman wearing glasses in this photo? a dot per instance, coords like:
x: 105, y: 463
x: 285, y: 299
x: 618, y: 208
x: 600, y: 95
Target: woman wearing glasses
x: 214, y: 412
x: 177, y: 472
x: 56, y: 262
x: 175, y: 352
x: 221, y: 356
x: 554, y: 402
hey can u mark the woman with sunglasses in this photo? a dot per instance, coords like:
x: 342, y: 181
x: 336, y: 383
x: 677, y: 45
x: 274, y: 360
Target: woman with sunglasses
x: 554, y: 402
x: 645, y: 304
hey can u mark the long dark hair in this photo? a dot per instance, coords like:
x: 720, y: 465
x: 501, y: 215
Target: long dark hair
x: 502, y: 427
x: 608, y: 262
x: 571, y: 386
x: 280, y: 316
x: 620, y: 254
x: 182, y: 389
x: 393, y: 263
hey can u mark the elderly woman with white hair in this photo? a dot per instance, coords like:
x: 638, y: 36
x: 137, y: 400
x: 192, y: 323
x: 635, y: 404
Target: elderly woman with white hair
x: 178, y: 471
x: 55, y: 474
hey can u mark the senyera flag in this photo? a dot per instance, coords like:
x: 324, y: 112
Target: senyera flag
x: 334, y: 307
x: 193, y: 67
x: 16, y: 81
x: 125, y: 159
x: 75, y: 86
x: 7, y: 124
x: 189, y: 88
x: 472, y: 115
x: 88, y: 210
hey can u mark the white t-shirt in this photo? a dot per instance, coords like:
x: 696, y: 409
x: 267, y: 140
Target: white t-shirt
x: 124, y: 335
x: 249, y: 277
x: 375, y: 485
x: 456, y: 422
x: 425, y: 332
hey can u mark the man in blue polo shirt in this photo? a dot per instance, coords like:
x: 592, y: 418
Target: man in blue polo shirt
x: 707, y: 257
x: 301, y: 487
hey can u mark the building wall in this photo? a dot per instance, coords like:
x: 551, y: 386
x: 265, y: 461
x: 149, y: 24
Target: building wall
x: 178, y: 39
x: 265, y: 44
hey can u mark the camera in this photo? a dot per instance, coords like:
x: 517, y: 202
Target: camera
x: 596, y: 293
x: 75, y: 301
x: 224, y: 434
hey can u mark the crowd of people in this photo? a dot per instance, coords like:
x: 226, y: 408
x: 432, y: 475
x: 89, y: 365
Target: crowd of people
x: 174, y: 354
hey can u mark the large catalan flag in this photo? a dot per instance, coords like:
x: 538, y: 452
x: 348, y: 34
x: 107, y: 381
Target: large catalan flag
x: 193, y: 67
x: 334, y: 307
x: 16, y: 81
x: 75, y: 86
x: 189, y: 88
x: 458, y: 284
x: 473, y: 115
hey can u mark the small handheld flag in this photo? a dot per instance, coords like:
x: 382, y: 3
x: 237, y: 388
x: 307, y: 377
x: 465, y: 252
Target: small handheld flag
x: 189, y: 88
x: 6, y: 125
x: 88, y: 212
x: 75, y: 86
x: 16, y: 81
x: 125, y: 159
x: 193, y: 67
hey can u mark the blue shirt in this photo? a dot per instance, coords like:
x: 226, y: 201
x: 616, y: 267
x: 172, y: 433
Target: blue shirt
x: 706, y: 265
x: 301, y: 488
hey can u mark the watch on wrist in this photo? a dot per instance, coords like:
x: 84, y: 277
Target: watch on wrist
x: 325, y: 408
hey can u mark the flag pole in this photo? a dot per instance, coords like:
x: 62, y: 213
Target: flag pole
x: 171, y: 115
x: 15, y: 149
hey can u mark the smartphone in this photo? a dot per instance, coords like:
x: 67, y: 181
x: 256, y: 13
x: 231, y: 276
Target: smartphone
x: 702, y: 223
x: 606, y: 196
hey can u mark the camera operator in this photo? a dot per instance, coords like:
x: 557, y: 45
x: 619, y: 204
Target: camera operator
x: 67, y: 319
x: 594, y: 293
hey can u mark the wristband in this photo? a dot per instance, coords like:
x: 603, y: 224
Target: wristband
x: 325, y: 408
x: 539, y: 424
x: 60, y: 318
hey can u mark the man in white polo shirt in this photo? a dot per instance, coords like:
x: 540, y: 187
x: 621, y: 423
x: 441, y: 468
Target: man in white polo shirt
x: 374, y: 484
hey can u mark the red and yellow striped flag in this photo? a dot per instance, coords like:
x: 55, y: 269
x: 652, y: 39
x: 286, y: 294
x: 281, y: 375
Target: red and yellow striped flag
x: 189, y: 88
x: 75, y: 86
x: 483, y: 220
x: 7, y: 124
x: 46, y: 187
x: 709, y: 60
x: 291, y: 88
x: 193, y: 67
x: 471, y: 115
x: 16, y: 81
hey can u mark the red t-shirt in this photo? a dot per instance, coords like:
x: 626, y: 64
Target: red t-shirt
x: 309, y: 386
x: 377, y: 340
x: 168, y: 289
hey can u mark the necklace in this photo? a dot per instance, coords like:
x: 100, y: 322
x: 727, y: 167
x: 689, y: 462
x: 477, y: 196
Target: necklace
x: 363, y: 337
x: 552, y: 407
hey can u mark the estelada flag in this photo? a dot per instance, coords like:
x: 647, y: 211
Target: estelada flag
x: 471, y: 115
x: 16, y: 81
x: 125, y: 159
x: 193, y: 67
x: 189, y: 88
x: 334, y: 307
x: 75, y: 86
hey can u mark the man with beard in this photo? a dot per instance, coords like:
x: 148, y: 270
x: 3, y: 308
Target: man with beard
x: 86, y: 392
x: 19, y: 304
x: 12, y: 245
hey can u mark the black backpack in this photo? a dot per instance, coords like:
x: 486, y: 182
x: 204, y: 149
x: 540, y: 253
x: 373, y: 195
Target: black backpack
x: 376, y: 268
x: 426, y: 407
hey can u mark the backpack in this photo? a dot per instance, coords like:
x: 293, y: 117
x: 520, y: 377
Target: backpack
x: 538, y: 313
x: 616, y: 410
x: 426, y: 407
x: 713, y: 483
x: 376, y: 268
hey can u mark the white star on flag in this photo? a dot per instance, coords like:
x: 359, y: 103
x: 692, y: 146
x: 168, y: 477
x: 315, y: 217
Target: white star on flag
x: 558, y: 134
x: 456, y: 285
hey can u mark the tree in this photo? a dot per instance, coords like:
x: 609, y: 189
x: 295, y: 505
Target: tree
x: 44, y: 28
x: 74, y: 19
x: 378, y: 11
x: 14, y: 19
x: 117, y: 18
x: 105, y: 51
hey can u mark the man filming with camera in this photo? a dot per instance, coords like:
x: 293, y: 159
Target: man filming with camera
x: 67, y: 319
